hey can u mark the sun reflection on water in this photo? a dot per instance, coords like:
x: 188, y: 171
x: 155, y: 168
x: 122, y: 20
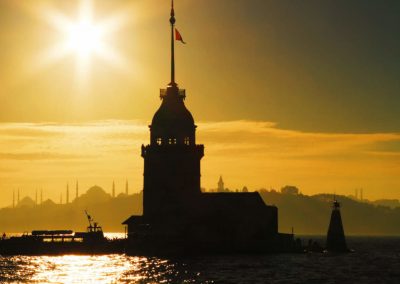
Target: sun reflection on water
x: 79, y: 269
x: 92, y: 269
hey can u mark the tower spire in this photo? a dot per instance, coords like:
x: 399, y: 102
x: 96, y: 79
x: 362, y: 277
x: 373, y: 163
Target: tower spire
x: 172, y: 21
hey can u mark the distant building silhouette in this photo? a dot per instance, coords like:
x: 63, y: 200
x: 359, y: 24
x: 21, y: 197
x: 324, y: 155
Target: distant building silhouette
x: 41, y: 196
x: 94, y: 195
x: 113, y: 189
x: 126, y: 188
x: 36, y: 198
x: 26, y: 202
x: 221, y: 187
x: 176, y: 214
x: 289, y: 189
x: 18, y: 197
x: 13, y: 204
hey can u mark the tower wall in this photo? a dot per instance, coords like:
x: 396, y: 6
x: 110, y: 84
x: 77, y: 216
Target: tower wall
x: 171, y: 179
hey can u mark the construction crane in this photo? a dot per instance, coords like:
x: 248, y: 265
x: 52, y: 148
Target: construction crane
x: 90, y: 220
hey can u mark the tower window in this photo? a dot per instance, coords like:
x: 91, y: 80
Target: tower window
x: 159, y: 141
x: 172, y: 141
x: 187, y: 141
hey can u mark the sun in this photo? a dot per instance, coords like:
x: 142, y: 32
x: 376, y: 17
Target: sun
x: 85, y: 38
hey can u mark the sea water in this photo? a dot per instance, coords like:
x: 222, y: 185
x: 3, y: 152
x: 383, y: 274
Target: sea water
x: 374, y: 260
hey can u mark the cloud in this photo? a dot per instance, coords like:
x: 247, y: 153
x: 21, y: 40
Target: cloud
x: 38, y: 156
x: 248, y: 137
x: 253, y: 153
x: 242, y: 138
x: 28, y: 130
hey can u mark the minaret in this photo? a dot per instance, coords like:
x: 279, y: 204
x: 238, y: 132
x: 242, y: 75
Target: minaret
x: 172, y: 159
x: 113, y: 189
x: 36, y: 198
x: 41, y: 195
x: 221, y: 187
x: 76, y: 190
x: 18, y: 197
x: 126, y: 188
x: 67, y: 194
x: 13, y: 198
x: 336, y: 241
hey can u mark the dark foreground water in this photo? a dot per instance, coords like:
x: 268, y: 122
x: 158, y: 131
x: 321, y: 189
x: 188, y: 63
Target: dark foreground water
x: 375, y: 260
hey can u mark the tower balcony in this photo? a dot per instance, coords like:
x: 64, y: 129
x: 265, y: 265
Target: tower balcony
x: 181, y: 93
x: 172, y: 149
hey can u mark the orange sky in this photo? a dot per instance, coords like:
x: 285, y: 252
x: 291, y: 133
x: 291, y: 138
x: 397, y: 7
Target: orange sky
x: 282, y: 92
x: 255, y: 154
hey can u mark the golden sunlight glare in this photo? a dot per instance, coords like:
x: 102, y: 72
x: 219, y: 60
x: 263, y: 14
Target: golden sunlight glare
x: 82, y: 36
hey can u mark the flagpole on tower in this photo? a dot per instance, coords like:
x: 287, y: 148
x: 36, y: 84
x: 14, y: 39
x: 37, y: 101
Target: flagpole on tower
x: 172, y: 21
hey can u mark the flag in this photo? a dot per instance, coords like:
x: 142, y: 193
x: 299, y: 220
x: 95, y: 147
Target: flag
x: 178, y: 36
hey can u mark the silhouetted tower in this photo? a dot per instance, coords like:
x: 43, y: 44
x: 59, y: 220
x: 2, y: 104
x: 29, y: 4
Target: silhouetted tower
x: 41, y: 195
x: 76, y: 190
x: 18, y: 197
x: 67, y: 194
x: 336, y: 241
x: 221, y: 187
x: 356, y: 193
x: 172, y: 160
x: 126, y: 187
x: 13, y: 198
x: 113, y: 189
x: 361, y: 194
x: 36, y: 198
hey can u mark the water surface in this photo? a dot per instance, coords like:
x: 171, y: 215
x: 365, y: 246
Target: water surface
x: 375, y: 260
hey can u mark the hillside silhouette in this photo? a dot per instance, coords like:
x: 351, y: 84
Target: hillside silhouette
x: 310, y: 214
x: 306, y: 214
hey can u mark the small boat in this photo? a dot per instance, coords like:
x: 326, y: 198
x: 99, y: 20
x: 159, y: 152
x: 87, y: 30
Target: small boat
x: 60, y: 242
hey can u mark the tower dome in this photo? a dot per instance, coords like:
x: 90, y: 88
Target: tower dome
x: 172, y: 113
x: 172, y: 123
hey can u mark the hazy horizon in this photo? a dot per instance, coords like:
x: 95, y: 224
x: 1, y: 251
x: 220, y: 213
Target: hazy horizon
x: 49, y: 155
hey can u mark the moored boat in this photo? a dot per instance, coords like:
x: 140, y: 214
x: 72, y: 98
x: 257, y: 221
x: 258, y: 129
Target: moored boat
x: 59, y: 242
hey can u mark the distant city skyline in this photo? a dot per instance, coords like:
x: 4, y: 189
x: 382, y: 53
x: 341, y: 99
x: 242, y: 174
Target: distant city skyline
x: 64, y: 195
x: 48, y: 155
